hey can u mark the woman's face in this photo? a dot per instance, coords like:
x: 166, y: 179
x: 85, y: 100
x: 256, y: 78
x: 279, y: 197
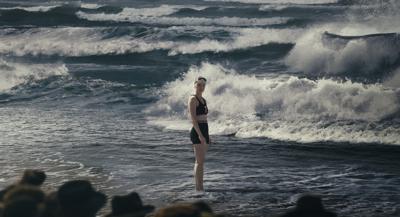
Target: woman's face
x: 200, y: 86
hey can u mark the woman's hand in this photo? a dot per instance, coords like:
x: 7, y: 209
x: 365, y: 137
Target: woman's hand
x: 202, y: 139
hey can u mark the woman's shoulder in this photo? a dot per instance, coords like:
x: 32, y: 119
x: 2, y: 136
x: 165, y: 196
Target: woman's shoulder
x: 192, y: 98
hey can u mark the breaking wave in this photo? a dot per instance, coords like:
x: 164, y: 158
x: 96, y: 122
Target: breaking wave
x: 279, y: 1
x: 160, y: 16
x: 284, y: 107
x: 317, y: 52
x: 78, y: 41
x: 12, y: 74
x: 363, y: 46
x: 46, y: 8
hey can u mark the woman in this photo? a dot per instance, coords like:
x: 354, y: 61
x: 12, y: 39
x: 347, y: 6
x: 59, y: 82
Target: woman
x: 198, y: 110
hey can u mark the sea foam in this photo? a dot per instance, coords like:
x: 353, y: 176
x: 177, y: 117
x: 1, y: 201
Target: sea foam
x: 283, y: 107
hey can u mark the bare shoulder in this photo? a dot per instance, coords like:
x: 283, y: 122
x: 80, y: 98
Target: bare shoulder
x: 192, y: 99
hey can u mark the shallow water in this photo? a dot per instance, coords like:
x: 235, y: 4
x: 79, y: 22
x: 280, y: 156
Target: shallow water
x: 119, y: 152
x: 98, y: 91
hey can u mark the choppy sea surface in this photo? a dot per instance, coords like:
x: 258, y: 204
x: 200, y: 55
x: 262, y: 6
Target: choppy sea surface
x: 304, y: 96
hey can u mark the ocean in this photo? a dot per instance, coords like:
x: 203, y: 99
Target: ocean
x: 303, y: 97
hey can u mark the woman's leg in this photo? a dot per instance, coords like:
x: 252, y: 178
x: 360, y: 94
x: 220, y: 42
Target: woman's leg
x: 200, y: 153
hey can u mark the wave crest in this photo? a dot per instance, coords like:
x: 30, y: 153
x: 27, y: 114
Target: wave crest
x: 281, y: 106
x: 78, y: 41
x: 12, y: 74
x: 364, y: 56
x: 159, y: 16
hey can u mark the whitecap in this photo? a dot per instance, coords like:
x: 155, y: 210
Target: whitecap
x: 283, y: 107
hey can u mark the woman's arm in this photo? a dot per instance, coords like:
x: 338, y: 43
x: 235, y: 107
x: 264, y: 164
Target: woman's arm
x: 192, y: 112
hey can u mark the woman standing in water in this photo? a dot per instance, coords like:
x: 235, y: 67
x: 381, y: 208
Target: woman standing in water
x: 198, y: 110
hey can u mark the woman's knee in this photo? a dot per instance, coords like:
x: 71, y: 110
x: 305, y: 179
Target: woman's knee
x: 199, y: 162
x: 206, y: 147
x: 200, y: 157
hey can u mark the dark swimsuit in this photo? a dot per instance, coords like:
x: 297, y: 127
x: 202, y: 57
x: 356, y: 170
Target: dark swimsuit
x: 201, y: 109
